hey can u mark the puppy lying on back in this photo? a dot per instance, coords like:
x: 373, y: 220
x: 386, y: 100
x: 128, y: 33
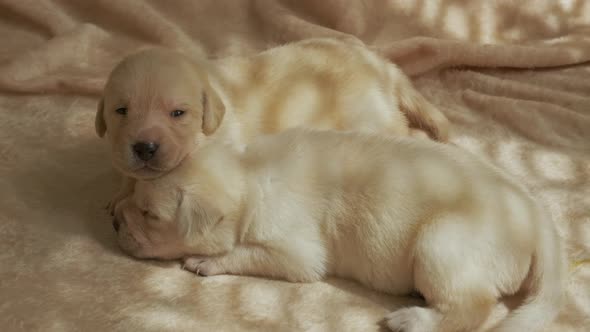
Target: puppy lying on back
x: 159, y: 105
x: 394, y: 214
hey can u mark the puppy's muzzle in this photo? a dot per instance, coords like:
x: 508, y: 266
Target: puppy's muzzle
x: 145, y: 150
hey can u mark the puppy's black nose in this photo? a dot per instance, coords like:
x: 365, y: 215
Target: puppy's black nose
x: 145, y: 150
x: 116, y: 225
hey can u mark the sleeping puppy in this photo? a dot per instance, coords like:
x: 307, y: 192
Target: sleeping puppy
x: 395, y: 214
x: 159, y: 105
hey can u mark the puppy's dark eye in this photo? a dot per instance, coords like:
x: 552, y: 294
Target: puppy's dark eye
x: 122, y: 111
x: 176, y: 113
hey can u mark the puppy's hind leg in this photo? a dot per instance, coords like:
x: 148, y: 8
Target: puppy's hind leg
x: 421, y: 114
x: 462, y: 315
x: 457, y: 292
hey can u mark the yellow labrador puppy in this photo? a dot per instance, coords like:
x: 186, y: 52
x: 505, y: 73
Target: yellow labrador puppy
x: 159, y: 105
x: 395, y: 214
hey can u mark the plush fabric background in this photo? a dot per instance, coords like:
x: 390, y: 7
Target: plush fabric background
x: 510, y: 75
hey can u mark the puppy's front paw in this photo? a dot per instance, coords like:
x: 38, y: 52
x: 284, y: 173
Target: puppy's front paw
x: 413, y: 319
x: 125, y: 191
x: 203, y: 266
x: 112, y: 205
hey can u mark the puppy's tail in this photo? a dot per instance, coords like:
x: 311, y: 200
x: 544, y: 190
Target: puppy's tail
x: 545, y: 285
x: 421, y: 114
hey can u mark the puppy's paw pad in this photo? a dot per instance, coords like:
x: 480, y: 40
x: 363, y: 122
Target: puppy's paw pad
x: 414, y: 319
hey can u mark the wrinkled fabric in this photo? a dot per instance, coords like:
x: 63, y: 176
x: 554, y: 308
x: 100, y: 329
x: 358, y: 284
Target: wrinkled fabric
x: 512, y: 77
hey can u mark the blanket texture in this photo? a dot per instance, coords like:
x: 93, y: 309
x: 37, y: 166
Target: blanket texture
x: 510, y: 75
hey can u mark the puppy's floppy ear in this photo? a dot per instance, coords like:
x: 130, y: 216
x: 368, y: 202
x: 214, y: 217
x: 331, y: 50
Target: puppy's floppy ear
x: 99, y: 123
x: 126, y: 209
x: 196, y: 216
x: 213, y: 111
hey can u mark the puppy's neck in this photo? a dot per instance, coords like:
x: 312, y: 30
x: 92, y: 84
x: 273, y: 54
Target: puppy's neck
x: 219, y: 163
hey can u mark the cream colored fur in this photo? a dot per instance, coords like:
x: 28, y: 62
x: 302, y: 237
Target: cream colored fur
x: 394, y: 214
x: 316, y: 83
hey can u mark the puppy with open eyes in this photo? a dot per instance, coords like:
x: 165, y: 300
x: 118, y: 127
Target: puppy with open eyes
x: 159, y: 105
x: 394, y: 214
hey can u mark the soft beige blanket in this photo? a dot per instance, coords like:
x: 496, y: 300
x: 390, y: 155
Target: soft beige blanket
x: 510, y: 75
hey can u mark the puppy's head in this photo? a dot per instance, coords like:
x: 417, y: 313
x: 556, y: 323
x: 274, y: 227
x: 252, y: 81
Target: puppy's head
x: 157, y: 106
x: 144, y: 234
x: 165, y: 223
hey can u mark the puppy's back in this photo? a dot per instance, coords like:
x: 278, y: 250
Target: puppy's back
x: 355, y: 152
x: 408, y: 172
x: 318, y: 83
